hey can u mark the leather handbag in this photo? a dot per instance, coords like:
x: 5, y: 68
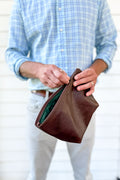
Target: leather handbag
x: 67, y: 113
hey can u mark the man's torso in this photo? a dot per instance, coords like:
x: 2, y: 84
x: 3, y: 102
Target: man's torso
x: 61, y: 32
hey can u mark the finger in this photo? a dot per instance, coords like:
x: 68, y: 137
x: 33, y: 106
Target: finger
x: 83, y: 81
x: 61, y: 76
x: 55, y: 80
x: 91, y: 91
x: 85, y: 86
x: 51, y: 84
x: 83, y: 74
x: 47, y: 81
x: 63, y: 73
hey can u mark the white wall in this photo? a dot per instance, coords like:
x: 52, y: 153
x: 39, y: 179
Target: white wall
x: 13, y: 98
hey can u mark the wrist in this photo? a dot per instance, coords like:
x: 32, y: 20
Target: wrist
x: 31, y: 69
x: 99, y: 66
x: 38, y: 70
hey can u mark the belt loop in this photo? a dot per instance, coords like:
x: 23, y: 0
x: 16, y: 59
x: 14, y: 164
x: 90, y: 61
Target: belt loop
x: 47, y: 95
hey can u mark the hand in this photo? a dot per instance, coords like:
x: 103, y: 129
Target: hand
x: 86, y: 80
x: 52, y: 76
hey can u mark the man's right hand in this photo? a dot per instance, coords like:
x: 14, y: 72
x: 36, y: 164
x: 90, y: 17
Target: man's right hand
x: 52, y: 76
x: 49, y: 74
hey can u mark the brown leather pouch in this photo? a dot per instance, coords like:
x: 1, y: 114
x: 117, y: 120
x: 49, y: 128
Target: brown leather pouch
x: 67, y: 113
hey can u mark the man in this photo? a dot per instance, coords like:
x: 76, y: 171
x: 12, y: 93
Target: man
x: 59, y: 37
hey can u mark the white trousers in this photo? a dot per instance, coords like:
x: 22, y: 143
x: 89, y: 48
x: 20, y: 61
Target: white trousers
x: 42, y: 146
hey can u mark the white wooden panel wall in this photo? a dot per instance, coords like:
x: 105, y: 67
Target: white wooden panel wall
x: 105, y: 159
x: 13, y: 98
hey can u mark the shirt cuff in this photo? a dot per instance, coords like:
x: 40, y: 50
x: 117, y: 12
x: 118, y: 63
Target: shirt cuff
x: 17, y: 69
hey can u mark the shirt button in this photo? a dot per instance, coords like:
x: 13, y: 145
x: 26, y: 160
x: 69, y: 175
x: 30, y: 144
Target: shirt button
x: 59, y: 9
x: 62, y: 50
x: 61, y: 30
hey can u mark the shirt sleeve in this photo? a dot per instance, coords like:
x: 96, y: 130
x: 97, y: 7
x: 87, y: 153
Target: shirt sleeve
x: 105, y: 35
x: 18, y: 48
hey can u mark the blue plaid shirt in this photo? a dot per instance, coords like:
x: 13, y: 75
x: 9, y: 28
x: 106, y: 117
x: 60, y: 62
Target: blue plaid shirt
x: 60, y: 32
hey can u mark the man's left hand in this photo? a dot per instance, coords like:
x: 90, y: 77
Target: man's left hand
x: 86, y: 80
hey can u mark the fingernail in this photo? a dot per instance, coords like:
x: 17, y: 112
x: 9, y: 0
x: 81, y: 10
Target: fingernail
x: 74, y: 84
x: 75, y: 77
x: 78, y: 88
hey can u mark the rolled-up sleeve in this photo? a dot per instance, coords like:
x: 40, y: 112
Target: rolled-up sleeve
x: 18, y: 48
x: 106, y: 34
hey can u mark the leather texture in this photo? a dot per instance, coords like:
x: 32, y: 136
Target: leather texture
x: 70, y: 115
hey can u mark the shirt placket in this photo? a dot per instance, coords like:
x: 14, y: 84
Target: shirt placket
x: 61, y: 34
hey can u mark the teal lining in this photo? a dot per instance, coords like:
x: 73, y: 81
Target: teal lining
x: 50, y: 106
